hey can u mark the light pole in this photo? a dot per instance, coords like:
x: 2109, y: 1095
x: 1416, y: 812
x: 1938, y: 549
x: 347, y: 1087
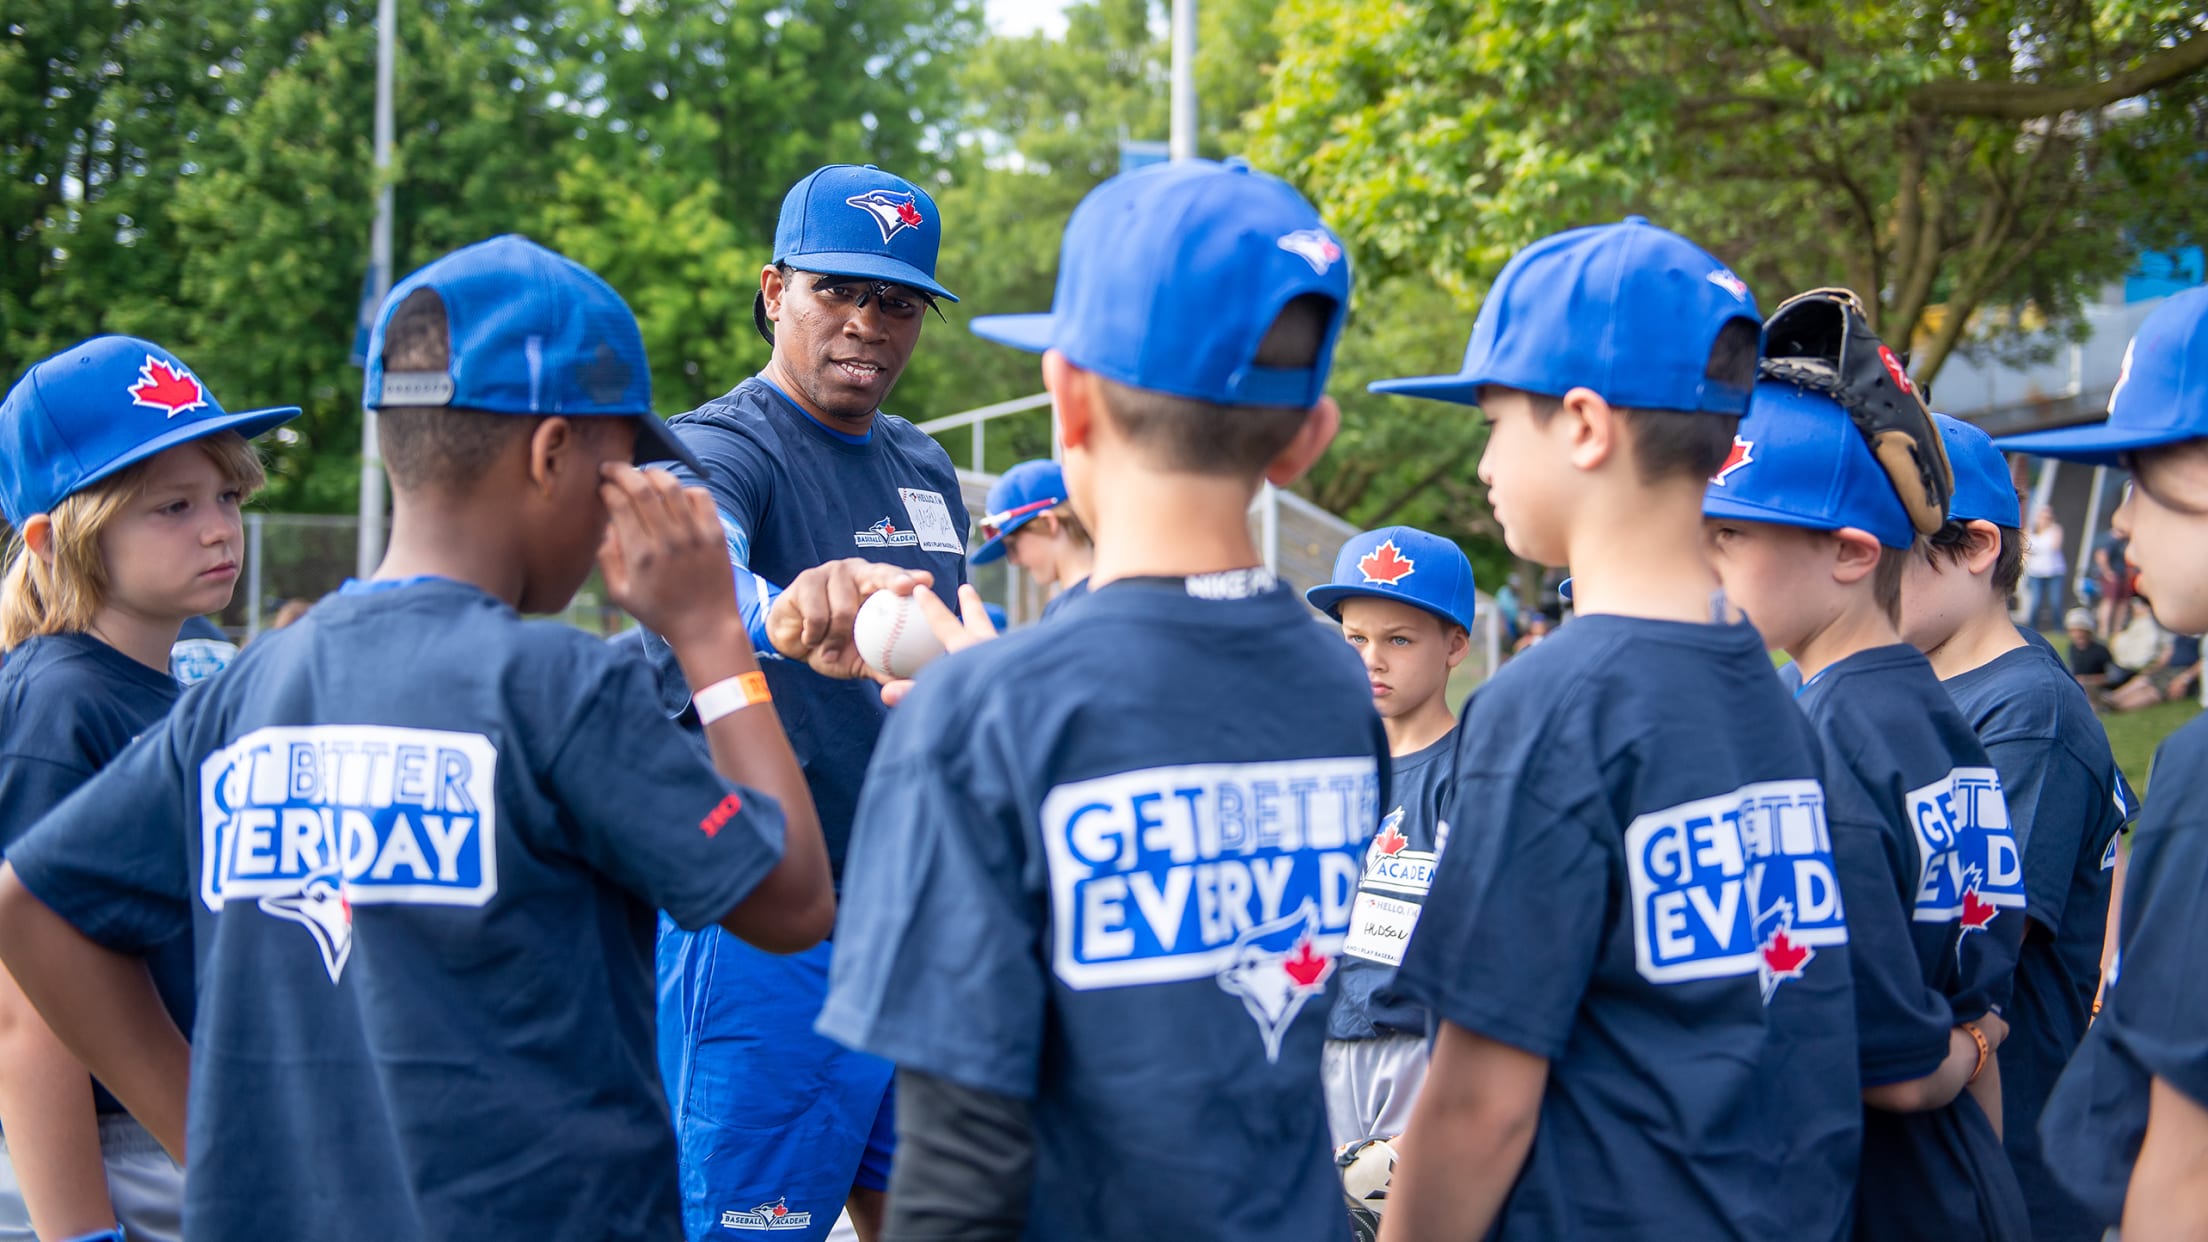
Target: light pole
x: 370, y: 550
x: 1181, y: 133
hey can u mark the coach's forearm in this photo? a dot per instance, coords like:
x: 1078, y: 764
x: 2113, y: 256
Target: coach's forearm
x: 965, y: 1163
x: 103, y: 1006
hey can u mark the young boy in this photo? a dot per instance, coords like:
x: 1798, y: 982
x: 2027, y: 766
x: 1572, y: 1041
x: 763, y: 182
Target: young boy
x: 1031, y: 525
x: 1610, y: 989
x: 420, y: 840
x: 2059, y: 781
x: 1104, y: 867
x: 1811, y: 540
x: 2126, y: 1128
x: 2090, y: 661
x: 1405, y: 599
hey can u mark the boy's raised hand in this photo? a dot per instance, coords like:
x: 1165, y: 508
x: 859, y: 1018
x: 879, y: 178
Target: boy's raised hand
x: 971, y: 626
x: 811, y: 620
x: 664, y: 559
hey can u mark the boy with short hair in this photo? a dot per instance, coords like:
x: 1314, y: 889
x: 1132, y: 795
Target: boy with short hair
x: 1405, y: 599
x: 1032, y: 525
x: 2090, y: 661
x: 2126, y: 1128
x: 1811, y: 540
x: 419, y: 839
x: 1104, y: 867
x: 2060, y: 782
x: 1594, y: 946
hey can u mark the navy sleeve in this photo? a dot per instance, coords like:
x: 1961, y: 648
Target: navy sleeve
x: 1512, y: 925
x: 2159, y: 1004
x: 645, y: 807
x: 1901, y: 1021
x: 30, y: 786
x: 2053, y: 799
x: 110, y: 859
x: 938, y: 963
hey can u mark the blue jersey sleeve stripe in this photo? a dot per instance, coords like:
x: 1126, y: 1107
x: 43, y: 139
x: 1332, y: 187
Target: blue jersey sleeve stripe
x: 755, y: 595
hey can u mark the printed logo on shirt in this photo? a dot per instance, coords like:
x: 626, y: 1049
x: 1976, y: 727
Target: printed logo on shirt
x: 775, y: 1215
x: 1969, y: 866
x: 884, y: 534
x: 312, y: 820
x: 1380, y: 925
x: 1733, y: 885
x: 1244, y: 873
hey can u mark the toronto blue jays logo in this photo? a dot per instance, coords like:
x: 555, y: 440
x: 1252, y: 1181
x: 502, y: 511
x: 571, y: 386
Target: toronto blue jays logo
x: 322, y: 908
x: 893, y: 211
x: 1742, y: 454
x: 1276, y: 967
x: 770, y: 1216
x: 1314, y: 247
x: 1730, y: 283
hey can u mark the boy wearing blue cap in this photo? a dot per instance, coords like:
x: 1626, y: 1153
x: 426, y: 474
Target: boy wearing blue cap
x: 1405, y: 599
x: 122, y: 477
x: 2066, y: 802
x: 1104, y: 866
x: 418, y: 840
x: 1593, y: 943
x: 1031, y: 524
x: 1811, y: 541
x: 2127, y: 1124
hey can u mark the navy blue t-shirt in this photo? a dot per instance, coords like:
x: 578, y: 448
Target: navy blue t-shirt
x: 1639, y: 887
x: 1399, y: 865
x: 419, y: 841
x: 1107, y: 864
x: 2154, y: 1013
x: 1935, y: 888
x: 2066, y: 807
x: 68, y: 704
x: 1064, y: 599
x: 793, y: 495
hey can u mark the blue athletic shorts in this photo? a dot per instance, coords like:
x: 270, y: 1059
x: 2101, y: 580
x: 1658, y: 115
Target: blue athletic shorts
x: 775, y: 1123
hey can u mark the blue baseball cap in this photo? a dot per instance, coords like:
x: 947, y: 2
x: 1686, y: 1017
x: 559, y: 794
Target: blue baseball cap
x: 1404, y: 564
x: 2161, y: 394
x: 1629, y: 310
x: 1985, y: 491
x: 1022, y: 494
x: 1799, y: 461
x: 531, y: 332
x: 100, y: 407
x: 1171, y: 275
x: 856, y: 220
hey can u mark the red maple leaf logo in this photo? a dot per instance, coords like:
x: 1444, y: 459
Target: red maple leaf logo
x: 1976, y: 913
x: 163, y: 387
x: 1784, y: 958
x: 1391, y: 842
x: 1893, y: 368
x: 1743, y: 453
x: 1308, y: 968
x: 909, y: 215
x: 781, y: 1210
x: 1385, y: 565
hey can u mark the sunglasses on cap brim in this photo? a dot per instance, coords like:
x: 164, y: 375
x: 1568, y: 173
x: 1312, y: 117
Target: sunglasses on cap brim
x: 996, y: 522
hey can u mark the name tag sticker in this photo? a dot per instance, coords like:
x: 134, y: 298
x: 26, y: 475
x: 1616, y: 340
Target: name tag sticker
x: 931, y: 520
x: 1379, y: 927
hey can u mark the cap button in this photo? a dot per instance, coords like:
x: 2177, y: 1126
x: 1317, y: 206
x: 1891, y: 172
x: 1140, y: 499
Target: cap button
x: 1236, y: 163
x: 875, y: 167
x: 1636, y: 219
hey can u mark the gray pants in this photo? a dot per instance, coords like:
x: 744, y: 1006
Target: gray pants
x: 147, y: 1187
x: 1370, y: 1085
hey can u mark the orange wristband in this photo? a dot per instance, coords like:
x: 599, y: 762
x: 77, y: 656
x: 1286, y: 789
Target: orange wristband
x: 731, y: 695
x: 1985, y: 1050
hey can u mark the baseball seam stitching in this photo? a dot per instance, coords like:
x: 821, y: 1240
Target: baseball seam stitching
x: 889, y: 648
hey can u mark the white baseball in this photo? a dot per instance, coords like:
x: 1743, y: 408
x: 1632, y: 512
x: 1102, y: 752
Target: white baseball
x: 892, y: 634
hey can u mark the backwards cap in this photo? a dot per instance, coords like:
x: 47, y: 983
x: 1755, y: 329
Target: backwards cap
x: 1405, y: 564
x: 1985, y: 491
x: 1629, y: 310
x: 100, y: 407
x: 1799, y: 461
x: 1170, y: 276
x: 531, y: 332
x: 2161, y: 395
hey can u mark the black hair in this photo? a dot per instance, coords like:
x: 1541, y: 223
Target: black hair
x: 435, y: 446
x: 1951, y: 542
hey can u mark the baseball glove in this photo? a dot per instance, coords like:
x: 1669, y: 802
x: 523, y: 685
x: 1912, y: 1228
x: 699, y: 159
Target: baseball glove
x: 1821, y: 340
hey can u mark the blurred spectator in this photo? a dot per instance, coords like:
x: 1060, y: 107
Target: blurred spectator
x: 1537, y: 628
x: 1506, y: 608
x: 2044, y: 566
x: 2090, y: 661
x: 2173, y: 674
x: 2113, y: 573
x: 292, y: 610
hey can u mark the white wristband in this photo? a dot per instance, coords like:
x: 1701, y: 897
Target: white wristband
x: 730, y: 695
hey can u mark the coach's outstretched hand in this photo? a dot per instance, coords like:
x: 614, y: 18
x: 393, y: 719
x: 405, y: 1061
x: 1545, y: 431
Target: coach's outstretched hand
x: 663, y: 555
x: 811, y: 621
x: 971, y: 626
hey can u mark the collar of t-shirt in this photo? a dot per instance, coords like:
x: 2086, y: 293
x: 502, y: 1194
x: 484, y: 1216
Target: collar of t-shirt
x: 844, y: 436
x: 1227, y: 584
x: 375, y: 586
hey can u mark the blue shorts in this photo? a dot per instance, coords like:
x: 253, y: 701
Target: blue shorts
x: 775, y: 1123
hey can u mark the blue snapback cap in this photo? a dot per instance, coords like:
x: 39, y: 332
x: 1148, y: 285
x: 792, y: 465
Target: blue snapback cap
x: 1799, y: 461
x: 100, y: 407
x: 856, y: 220
x: 1170, y: 276
x: 1404, y: 564
x: 532, y: 332
x: 1985, y: 491
x: 1629, y: 310
x: 2161, y: 395
x: 1022, y: 494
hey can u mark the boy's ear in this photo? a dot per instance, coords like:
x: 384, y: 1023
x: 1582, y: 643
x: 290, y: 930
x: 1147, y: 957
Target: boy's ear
x: 38, y: 536
x: 1320, y: 425
x: 1460, y: 644
x: 1590, y: 427
x: 1073, y: 396
x: 1855, y: 555
x: 552, y: 453
x: 1984, y: 548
